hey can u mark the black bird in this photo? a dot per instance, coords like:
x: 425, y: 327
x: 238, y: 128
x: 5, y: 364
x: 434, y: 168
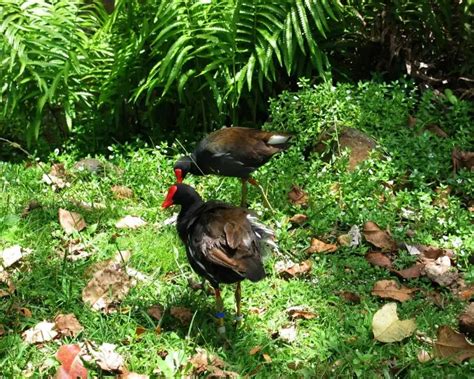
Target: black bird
x: 223, y: 243
x: 235, y: 152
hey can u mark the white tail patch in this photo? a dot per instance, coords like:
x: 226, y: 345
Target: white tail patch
x: 278, y: 139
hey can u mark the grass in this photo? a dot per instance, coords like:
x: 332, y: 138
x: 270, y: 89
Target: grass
x: 339, y: 341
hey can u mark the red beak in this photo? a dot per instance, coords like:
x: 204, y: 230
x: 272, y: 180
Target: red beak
x: 169, y: 197
x: 179, y: 175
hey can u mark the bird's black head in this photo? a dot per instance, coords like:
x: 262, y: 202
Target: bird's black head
x: 182, y: 166
x: 181, y: 194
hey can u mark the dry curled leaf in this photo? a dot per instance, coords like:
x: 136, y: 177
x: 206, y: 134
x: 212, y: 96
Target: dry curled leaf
x: 318, y: 246
x: 378, y: 237
x: 411, y: 272
x: 71, y: 221
x: 378, y: 259
x: 436, y: 130
x: 290, y: 270
x: 423, y: 356
x: 297, y: 196
x: 41, y: 332
x: 254, y: 350
x: 130, y: 222
x: 57, y: 177
x: 441, y: 271
x: 387, y: 327
x: 466, y: 321
x: 71, y: 363
x: 452, y: 345
x: 350, y: 297
x: 121, y: 192
x: 300, y: 312
x: 462, y: 159
x: 298, y: 219
x: 67, y: 325
x: 287, y: 334
x: 183, y: 314
x: 107, y: 286
x: 107, y: 358
x: 202, y: 361
x: 466, y: 293
x: 390, y: 289
x: 155, y: 311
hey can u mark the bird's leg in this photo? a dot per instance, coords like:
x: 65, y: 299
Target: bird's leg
x: 238, y: 298
x: 219, y: 311
x: 243, y: 201
x: 253, y: 182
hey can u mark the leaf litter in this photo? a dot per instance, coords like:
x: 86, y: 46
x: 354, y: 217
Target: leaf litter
x: 387, y: 327
x: 71, y: 221
x: 390, y: 289
x: 318, y: 246
x: 378, y: 237
x: 452, y: 345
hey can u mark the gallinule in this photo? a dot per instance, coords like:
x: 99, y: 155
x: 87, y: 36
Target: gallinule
x: 223, y: 243
x: 233, y: 151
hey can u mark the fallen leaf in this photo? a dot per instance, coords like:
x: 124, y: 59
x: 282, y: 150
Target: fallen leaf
x: 2, y: 330
x: 423, y: 356
x: 11, y: 255
x: 57, y: 177
x: 71, y: 221
x: 132, y: 375
x: 257, y: 310
x: 378, y: 259
x: 88, y: 205
x: 344, y: 240
x: 25, y: 312
x: 288, y: 334
x: 412, y: 272
x: 411, y: 121
x: 452, y: 345
x: 412, y: 249
x: 290, y: 270
x: 466, y: 293
x: 462, y: 159
x: 442, y: 197
x: 466, y: 321
x: 32, y: 205
x: 298, y: 219
x: 300, y: 312
x: 121, y: 192
x: 297, y: 196
x: 431, y: 252
x: 107, y: 286
x: 155, y: 311
x: 202, y: 361
x: 390, y: 289
x: 139, y: 331
x: 387, y: 327
x: 75, y: 250
x: 441, y: 271
x: 254, y: 350
x: 6, y: 280
x: 379, y: 238
x: 350, y: 297
x: 267, y: 358
x: 184, y: 315
x: 318, y: 246
x: 130, y: 222
x: 107, y: 358
x: 41, y: 332
x: 436, y: 298
x: 436, y: 130
x: 71, y: 363
x: 67, y: 325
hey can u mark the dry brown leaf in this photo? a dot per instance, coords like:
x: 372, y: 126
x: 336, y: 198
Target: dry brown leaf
x: 436, y: 130
x: 318, y: 246
x: 183, y: 314
x: 71, y: 364
x: 71, y: 221
x: 350, y: 297
x: 132, y: 375
x: 297, y: 196
x: 441, y: 271
x: 431, y: 252
x: 378, y: 259
x: 6, y: 280
x: 423, y: 356
x: 75, y: 250
x: 257, y: 310
x: 2, y: 330
x: 412, y: 272
x: 462, y: 159
x: 24, y: 312
x: 139, y: 331
x: 298, y: 219
x: 442, y: 197
x: 290, y: 270
x: 387, y: 327
x: 32, y: 205
x: 452, y: 345
x: 107, y: 286
x: 57, y: 177
x: 155, y: 311
x: 466, y: 321
x: 130, y: 222
x: 254, y: 350
x: 390, y: 289
x: 300, y: 312
x: 121, y: 192
x: 67, y: 325
x: 411, y: 121
x: 108, y: 359
x: 202, y: 361
x: 41, y: 332
x: 466, y: 293
x: 378, y: 237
